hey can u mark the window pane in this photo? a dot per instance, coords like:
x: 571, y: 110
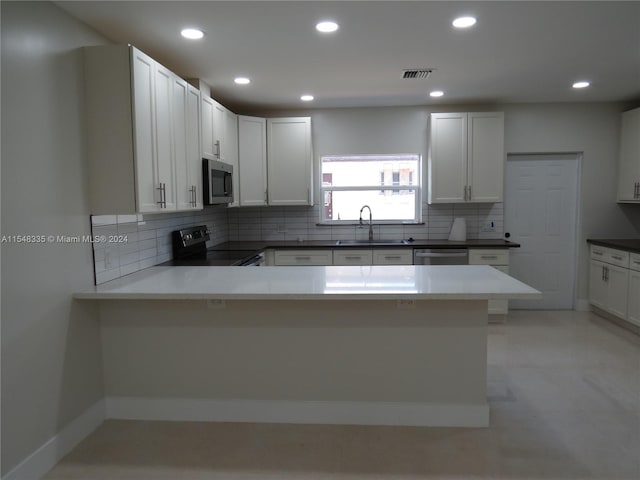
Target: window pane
x: 385, y: 205
x: 369, y: 170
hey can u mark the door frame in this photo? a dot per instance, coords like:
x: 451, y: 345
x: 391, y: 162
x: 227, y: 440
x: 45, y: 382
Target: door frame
x: 577, y: 227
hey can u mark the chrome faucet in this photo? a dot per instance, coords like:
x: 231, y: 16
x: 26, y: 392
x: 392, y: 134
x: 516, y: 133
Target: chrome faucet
x: 370, y: 221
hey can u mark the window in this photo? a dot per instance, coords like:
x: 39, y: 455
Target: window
x: 384, y: 182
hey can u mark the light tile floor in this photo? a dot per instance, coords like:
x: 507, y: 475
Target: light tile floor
x: 564, y: 390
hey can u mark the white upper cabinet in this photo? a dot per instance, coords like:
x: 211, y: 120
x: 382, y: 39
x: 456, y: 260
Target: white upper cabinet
x: 289, y: 161
x: 629, y: 162
x: 213, y: 129
x: 252, y: 160
x: 186, y: 139
x: 231, y: 153
x: 466, y: 157
x: 137, y: 137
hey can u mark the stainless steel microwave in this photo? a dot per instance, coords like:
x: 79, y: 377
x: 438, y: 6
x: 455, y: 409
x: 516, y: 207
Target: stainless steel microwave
x: 218, y: 186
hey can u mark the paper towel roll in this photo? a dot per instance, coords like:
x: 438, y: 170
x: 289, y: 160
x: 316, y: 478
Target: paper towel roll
x: 458, y: 230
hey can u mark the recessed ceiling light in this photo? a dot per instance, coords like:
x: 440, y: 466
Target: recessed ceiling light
x: 192, y: 33
x: 242, y: 80
x: 464, y: 22
x: 306, y: 98
x: 436, y: 93
x: 582, y: 84
x: 327, y: 27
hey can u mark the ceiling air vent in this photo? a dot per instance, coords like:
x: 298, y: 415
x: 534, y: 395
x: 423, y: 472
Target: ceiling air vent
x: 421, y: 73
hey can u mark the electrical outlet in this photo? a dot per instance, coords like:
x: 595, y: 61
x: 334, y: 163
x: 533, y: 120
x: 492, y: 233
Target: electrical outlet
x: 216, y: 304
x: 489, y: 226
x: 405, y: 304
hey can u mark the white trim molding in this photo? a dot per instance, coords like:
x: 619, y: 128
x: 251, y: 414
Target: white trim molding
x: 307, y: 412
x: 44, y: 458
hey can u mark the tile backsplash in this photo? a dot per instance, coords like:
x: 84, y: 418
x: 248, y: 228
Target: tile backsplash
x: 301, y: 223
x: 135, y: 242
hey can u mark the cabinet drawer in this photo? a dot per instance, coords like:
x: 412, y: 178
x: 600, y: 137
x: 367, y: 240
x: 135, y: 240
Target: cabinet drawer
x: 610, y: 255
x: 488, y: 257
x: 302, y: 257
x: 634, y: 262
x: 393, y: 257
x: 352, y: 257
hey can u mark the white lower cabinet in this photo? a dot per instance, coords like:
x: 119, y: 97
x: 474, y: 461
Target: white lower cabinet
x: 633, y: 305
x: 341, y: 256
x: 386, y: 256
x: 352, y: 257
x: 499, y: 259
x: 300, y: 257
x: 613, y: 286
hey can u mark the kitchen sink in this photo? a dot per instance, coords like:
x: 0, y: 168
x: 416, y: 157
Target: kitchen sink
x: 371, y: 243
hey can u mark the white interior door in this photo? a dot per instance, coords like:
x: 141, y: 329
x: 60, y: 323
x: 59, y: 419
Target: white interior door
x: 541, y: 215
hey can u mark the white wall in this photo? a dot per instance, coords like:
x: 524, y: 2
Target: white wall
x: 51, y: 356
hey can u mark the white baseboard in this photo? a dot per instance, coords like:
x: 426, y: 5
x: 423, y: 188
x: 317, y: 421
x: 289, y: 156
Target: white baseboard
x: 45, y: 457
x: 308, y: 412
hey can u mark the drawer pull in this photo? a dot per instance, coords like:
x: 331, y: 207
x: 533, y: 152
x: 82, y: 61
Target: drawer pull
x: 303, y: 258
x: 392, y: 257
x: 595, y: 252
x: 353, y: 257
x: 616, y: 257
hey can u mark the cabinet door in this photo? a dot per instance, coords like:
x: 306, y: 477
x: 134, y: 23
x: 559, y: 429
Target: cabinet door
x: 633, y: 304
x: 303, y: 257
x: 485, y: 157
x: 144, y: 131
x: 629, y: 162
x: 352, y: 257
x: 597, y: 284
x: 165, y: 176
x: 289, y: 161
x: 252, y: 161
x: 206, y: 127
x: 219, y: 128
x: 194, y: 156
x: 184, y: 196
x: 617, y: 290
x: 447, y: 163
x: 386, y: 256
x: 231, y: 152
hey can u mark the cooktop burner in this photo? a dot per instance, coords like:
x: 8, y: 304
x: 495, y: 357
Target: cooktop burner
x: 190, y: 249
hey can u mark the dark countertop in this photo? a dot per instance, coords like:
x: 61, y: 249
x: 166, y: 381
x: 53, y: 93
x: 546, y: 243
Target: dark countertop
x: 627, y: 244
x: 262, y: 245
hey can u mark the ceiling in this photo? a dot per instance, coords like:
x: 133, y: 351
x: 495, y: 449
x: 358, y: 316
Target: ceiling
x: 517, y: 52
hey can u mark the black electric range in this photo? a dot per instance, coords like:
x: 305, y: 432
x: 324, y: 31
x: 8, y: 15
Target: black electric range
x: 189, y: 247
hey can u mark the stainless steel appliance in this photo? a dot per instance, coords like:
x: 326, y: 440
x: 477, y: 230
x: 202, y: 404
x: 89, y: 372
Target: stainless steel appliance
x: 217, y: 184
x: 440, y: 256
x: 190, y: 249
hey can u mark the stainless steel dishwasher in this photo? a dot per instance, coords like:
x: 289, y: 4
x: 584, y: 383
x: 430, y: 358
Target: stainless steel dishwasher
x: 440, y: 256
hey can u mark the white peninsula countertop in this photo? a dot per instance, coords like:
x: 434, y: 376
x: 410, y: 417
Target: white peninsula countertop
x: 419, y: 282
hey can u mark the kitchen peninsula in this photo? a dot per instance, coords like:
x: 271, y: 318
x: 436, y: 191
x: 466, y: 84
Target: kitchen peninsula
x: 385, y: 345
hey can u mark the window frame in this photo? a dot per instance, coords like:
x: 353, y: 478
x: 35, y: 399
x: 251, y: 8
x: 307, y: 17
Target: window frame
x: 416, y: 187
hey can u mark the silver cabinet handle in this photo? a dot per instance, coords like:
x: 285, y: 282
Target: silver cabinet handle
x: 392, y: 257
x: 303, y: 258
x: 617, y: 257
x: 469, y: 192
x: 217, y: 154
x: 163, y: 195
x: 465, y: 193
x: 353, y: 257
x: 595, y: 252
x: 489, y: 257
